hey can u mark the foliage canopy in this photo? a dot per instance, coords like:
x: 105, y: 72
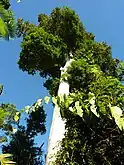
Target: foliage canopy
x: 92, y: 134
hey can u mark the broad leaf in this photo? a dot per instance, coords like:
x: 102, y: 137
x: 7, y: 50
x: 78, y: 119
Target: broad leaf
x: 79, y: 109
x: 92, y: 102
x: 117, y: 114
x: 5, y: 159
x: 16, y: 117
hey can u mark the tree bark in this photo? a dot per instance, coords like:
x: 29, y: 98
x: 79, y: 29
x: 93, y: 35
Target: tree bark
x: 58, y: 125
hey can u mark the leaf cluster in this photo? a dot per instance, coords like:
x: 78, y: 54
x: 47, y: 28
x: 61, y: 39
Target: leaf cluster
x: 7, y: 21
x: 50, y: 42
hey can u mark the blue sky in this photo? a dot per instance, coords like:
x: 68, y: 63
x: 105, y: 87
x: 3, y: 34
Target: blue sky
x: 103, y: 18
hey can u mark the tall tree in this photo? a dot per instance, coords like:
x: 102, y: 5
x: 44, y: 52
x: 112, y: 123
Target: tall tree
x: 93, y: 134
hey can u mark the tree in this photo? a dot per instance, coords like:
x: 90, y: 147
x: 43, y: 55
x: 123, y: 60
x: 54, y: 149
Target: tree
x: 7, y: 21
x: 93, y: 135
x: 7, y: 30
x: 7, y: 111
x: 22, y: 145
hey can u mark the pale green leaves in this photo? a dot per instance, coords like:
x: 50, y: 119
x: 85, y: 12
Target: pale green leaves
x: 95, y: 70
x: 46, y: 99
x: 5, y: 159
x: 60, y: 103
x: 14, y: 130
x: 36, y: 105
x: 27, y: 109
x: 31, y: 108
x: 92, y: 102
x: 39, y: 101
x: 64, y: 102
x: 117, y: 115
x: 71, y: 109
x: 78, y: 109
x: 16, y: 117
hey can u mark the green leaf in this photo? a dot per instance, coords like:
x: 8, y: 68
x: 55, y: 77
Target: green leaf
x: 71, y: 109
x: 17, y: 113
x: 117, y: 114
x: 3, y: 29
x: 93, y: 109
x: 27, y: 108
x: 14, y: 130
x: 79, y: 109
x: 33, y: 108
x: 39, y: 101
x: 47, y: 99
x: 92, y: 102
x: 5, y: 159
x: 16, y: 117
x: 70, y: 99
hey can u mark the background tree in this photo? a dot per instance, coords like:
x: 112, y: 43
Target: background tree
x: 22, y: 144
x: 92, y: 134
x: 7, y: 111
x: 7, y: 30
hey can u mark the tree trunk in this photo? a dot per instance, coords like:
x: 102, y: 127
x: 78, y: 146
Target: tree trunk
x: 58, y: 125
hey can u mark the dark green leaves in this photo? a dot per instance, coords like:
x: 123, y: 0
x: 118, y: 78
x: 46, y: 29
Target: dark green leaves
x: 45, y: 49
x: 41, y: 52
x: 65, y: 23
x: 5, y: 4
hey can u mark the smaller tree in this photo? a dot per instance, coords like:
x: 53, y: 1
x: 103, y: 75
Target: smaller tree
x: 7, y: 113
x: 22, y: 145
